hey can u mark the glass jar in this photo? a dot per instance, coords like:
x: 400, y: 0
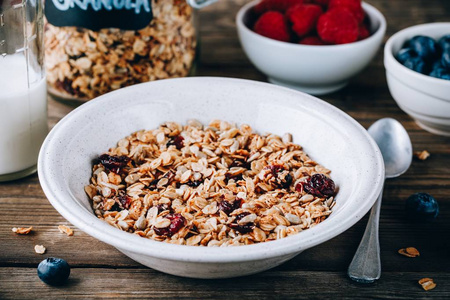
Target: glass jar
x: 23, y: 95
x: 94, y: 47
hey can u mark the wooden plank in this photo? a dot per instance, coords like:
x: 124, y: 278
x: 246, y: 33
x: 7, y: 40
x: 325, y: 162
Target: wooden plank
x: 274, y: 284
x: 395, y: 233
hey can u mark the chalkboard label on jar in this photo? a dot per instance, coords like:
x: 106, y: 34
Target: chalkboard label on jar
x: 98, y: 14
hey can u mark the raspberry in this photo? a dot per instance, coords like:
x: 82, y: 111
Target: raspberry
x: 311, y: 40
x: 277, y: 5
x: 338, y: 26
x: 363, y: 32
x: 304, y: 18
x: 272, y: 24
x: 353, y: 5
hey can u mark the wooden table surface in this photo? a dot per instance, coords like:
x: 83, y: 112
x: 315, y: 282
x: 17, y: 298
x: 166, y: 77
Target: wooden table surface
x: 100, y: 271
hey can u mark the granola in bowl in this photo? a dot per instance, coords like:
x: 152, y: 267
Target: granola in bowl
x: 212, y: 185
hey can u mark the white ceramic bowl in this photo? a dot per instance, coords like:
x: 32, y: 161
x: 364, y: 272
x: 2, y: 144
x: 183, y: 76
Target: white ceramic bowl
x: 330, y: 136
x: 426, y: 99
x: 315, y: 70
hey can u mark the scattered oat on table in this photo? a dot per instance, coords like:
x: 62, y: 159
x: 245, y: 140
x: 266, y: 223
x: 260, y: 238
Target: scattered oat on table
x: 409, y: 252
x: 212, y: 185
x: 39, y: 249
x: 422, y: 155
x: 65, y: 229
x: 427, y: 284
x: 22, y: 230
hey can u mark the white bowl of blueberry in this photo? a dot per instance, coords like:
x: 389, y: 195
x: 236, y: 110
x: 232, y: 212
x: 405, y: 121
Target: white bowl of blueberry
x: 417, y: 62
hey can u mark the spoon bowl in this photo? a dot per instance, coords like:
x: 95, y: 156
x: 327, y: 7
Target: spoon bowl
x: 395, y: 145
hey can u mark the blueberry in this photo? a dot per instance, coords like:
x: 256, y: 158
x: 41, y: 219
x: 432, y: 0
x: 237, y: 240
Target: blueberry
x: 425, y: 47
x: 444, y: 42
x: 404, y: 54
x: 53, y: 271
x: 445, y: 59
x: 422, y: 207
x: 440, y: 73
x: 416, y: 64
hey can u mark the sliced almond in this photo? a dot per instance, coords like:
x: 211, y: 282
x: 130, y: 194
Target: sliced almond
x: 409, y: 252
x: 427, y: 284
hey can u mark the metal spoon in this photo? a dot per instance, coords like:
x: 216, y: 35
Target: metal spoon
x: 396, y: 148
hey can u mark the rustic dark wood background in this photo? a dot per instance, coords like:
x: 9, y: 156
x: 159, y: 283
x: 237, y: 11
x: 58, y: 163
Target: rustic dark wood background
x: 100, y: 271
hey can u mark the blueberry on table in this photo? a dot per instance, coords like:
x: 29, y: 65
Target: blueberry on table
x: 422, y: 207
x: 416, y: 64
x: 53, y: 271
x: 425, y: 47
x: 405, y: 54
x: 444, y: 42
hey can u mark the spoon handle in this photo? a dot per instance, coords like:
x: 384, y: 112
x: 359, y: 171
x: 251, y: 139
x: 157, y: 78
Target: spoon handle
x: 366, y: 265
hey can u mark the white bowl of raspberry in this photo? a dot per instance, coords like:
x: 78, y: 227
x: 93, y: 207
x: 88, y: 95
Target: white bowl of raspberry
x: 314, y: 57
x: 328, y: 135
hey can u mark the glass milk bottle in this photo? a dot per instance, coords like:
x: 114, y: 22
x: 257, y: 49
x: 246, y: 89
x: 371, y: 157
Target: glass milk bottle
x: 23, y: 94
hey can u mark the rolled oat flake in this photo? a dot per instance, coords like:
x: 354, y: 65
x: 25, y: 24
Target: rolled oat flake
x: 95, y: 46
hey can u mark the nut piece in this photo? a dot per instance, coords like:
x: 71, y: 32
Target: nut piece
x: 22, y: 230
x: 409, y: 252
x: 39, y: 249
x: 427, y: 284
x: 422, y: 155
x: 65, y: 229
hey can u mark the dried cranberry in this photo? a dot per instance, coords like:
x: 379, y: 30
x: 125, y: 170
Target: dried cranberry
x: 228, y: 207
x: 299, y: 187
x: 282, y: 177
x: 274, y: 169
x: 177, y: 141
x: 114, y: 163
x: 162, y: 231
x: 320, y: 185
x: 245, y: 228
x: 177, y: 221
x: 124, y: 199
x: 242, y: 228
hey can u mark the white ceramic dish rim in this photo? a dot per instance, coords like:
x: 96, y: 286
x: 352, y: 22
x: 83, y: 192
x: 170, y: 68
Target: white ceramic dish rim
x: 133, y: 243
x: 369, y: 9
x: 391, y: 63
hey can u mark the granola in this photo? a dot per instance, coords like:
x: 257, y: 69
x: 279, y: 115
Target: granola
x: 215, y: 185
x: 65, y: 229
x: 22, y: 230
x: 409, y: 252
x: 39, y: 249
x: 422, y: 155
x: 427, y: 284
x: 84, y: 64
